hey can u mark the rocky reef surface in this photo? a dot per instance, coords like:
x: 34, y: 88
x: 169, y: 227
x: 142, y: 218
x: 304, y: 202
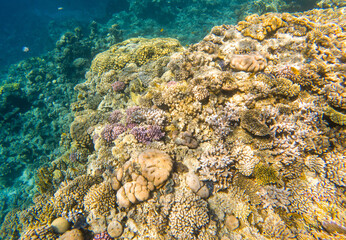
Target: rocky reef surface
x: 240, y: 136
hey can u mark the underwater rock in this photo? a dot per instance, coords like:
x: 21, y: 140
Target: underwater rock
x: 231, y: 222
x: 196, y: 185
x: 250, y: 121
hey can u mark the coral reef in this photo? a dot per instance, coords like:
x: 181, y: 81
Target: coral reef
x: 239, y: 136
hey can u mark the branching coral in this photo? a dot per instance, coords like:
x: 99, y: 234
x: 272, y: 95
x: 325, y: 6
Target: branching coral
x: 188, y: 214
x: 69, y: 198
x: 335, y: 167
x: 100, y: 199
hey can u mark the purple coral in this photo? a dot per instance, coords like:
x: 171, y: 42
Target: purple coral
x: 134, y: 115
x: 102, y: 236
x: 117, y: 130
x: 115, y: 116
x: 118, y: 86
x: 112, y: 131
x: 147, y: 134
x: 106, y: 133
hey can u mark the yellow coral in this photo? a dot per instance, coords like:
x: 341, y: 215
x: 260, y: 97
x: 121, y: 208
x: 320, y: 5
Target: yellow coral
x: 9, y: 87
x: 335, y: 116
x: 101, y: 198
x: 265, y: 174
x: 134, y: 50
x: 156, y: 166
x: 259, y: 27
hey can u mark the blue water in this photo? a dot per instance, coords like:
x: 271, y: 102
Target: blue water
x: 34, y: 115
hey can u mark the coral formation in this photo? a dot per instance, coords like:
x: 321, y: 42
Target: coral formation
x: 69, y: 199
x: 60, y: 225
x: 248, y: 63
x: 100, y: 199
x: 155, y: 166
x: 136, y: 50
x: 188, y: 214
x: 239, y: 136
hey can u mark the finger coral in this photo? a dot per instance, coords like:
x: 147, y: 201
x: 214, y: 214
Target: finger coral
x: 188, y: 214
x: 69, y: 198
x: 100, y: 199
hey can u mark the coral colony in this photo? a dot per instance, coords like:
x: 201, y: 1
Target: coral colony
x: 240, y: 136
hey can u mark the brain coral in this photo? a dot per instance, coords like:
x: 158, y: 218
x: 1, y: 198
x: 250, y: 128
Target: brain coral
x: 134, y: 50
x: 156, y: 166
